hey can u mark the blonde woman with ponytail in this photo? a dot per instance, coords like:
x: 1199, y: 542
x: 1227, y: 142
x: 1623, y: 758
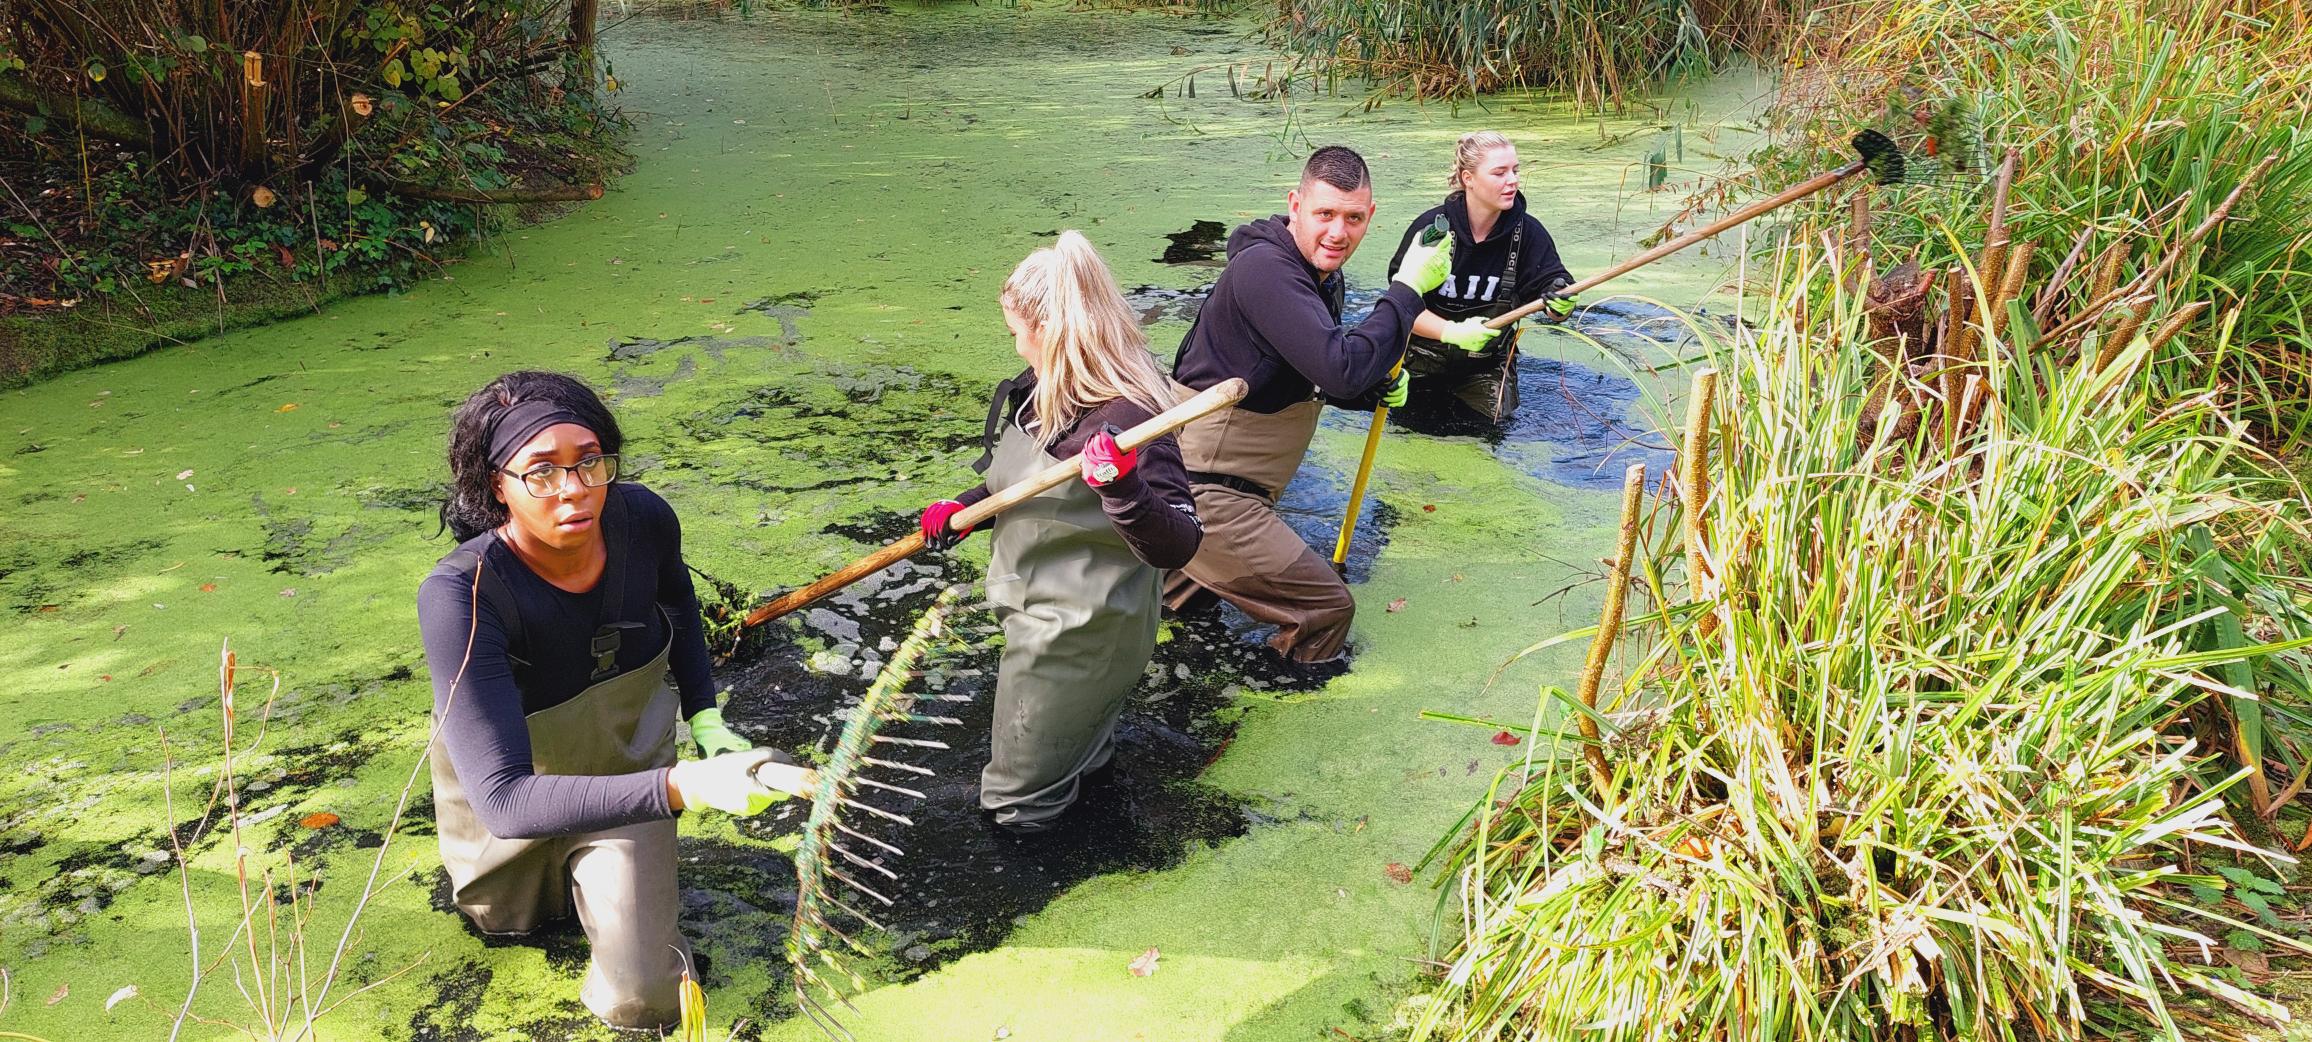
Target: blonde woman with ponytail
x: 1075, y: 572
x: 1502, y: 259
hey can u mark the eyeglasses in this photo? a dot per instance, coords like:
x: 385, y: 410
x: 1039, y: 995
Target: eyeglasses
x: 545, y: 480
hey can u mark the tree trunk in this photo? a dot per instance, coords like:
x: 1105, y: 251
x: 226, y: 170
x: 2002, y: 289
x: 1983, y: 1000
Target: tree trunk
x: 582, y: 44
x: 549, y: 194
x: 89, y: 115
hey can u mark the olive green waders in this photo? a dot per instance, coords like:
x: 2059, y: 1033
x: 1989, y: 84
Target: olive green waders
x: 1079, y: 614
x: 620, y: 881
x: 1238, y: 463
x: 1485, y: 382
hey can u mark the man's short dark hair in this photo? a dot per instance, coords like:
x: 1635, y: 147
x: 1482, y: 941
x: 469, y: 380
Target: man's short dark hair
x: 1337, y: 165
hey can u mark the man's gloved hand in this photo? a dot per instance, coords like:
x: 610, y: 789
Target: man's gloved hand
x: 1395, y: 396
x: 936, y: 534
x: 713, y: 736
x: 726, y: 782
x: 1105, y: 461
x: 1469, y: 334
x: 1425, y: 267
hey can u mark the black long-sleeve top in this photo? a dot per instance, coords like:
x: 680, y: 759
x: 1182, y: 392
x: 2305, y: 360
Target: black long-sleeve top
x: 541, y: 658
x: 1150, y: 505
x: 1275, y: 320
x: 1474, y: 287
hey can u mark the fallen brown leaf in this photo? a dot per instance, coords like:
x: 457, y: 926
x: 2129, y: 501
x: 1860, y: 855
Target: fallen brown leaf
x: 318, y: 820
x: 1428, y: 508
x: 1504, y: 738
x: 1145, y: 965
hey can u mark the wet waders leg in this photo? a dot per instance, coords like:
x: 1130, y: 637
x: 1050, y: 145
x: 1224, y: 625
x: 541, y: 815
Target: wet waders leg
x: 1251, y: 558
x: 623, y: 882
x: 1058, y: 694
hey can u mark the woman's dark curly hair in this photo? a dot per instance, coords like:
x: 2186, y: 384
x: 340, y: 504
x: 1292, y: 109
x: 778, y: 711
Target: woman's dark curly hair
x: 472, y: 506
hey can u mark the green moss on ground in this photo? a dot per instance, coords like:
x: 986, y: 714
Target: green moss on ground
x: 793, y: 298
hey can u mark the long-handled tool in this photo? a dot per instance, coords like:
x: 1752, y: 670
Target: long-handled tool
x: 1876, y: 154
x: 1213, y: 399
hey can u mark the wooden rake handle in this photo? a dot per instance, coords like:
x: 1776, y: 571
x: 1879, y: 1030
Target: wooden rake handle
x: 1219, y: 396
x: 1792, y: 194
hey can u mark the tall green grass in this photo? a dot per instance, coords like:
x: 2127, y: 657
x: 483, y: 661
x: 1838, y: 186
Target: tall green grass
x: 1928, y: 748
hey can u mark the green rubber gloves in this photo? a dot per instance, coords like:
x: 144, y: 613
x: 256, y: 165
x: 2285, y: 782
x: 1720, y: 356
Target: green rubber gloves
x: 1560, y: 303
x: 1469, y: 334
x: 713, y: 736
x: 726, y: 783
x: 1394, y: 397
x: 1424, y: 266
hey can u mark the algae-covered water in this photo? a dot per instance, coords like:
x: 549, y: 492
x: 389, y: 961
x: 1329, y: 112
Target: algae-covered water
x: 792, y: 300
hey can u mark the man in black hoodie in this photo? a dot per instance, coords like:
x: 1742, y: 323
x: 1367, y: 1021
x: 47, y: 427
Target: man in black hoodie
x: 1274, y: 319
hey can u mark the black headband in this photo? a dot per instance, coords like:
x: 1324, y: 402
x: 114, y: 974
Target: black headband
x: 516, y: 426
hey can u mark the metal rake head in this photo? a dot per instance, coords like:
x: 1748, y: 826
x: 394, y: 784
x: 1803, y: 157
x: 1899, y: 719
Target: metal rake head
x: 1950, y: 148
x: 839, y: 845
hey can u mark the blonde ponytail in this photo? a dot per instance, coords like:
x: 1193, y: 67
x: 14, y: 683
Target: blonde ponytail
x: 1091, y: 349
x: 1470, y: 151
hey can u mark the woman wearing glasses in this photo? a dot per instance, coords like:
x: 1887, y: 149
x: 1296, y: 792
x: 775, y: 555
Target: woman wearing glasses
x: 552, y: 633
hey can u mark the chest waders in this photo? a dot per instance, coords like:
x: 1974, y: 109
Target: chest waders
x: 1239, y: 462
x: 1079, y: 617
x: 620, y: 881
x: 1486, y: 382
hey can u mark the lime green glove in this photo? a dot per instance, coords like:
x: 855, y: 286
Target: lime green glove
x: 1469, y: 334
x: 713, y: 736
x: 726, y: 783
x: 1558, y: 302
x: 1425, y: 267
x: 1394, y: 397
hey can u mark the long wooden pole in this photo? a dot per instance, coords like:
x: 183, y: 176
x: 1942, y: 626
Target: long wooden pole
x: 1219, y: 396
x: 1364, y: 474
x: 1792, y: 194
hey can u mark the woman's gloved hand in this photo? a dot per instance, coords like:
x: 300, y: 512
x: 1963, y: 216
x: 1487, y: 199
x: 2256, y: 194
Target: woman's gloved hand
x: 936, y: 534
x: 1105, y: 461
x: 1398, y: 390
x: 713, y: 736
x: 726, y: 783
x: 1425, y: 267
x: 1560, y: 303
x: 1469, y: 334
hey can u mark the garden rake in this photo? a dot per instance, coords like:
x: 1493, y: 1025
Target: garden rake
x: 836, y: 850
x: 1875, y: 154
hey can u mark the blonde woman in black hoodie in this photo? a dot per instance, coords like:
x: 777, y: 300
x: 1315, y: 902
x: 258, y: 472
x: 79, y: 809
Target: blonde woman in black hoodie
x: 1503, y: 259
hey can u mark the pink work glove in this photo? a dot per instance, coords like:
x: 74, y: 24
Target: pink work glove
x: 1105, y: 461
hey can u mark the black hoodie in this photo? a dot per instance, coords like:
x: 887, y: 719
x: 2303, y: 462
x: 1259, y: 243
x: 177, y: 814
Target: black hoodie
x: 1474, y: 290
x: 1276, y: 321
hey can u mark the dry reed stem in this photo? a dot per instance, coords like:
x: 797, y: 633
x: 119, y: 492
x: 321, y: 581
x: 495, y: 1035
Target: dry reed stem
x: 1609, y: 629
x: 2043, y: 306
x: 1693, y: 482
x: 2175, y: 253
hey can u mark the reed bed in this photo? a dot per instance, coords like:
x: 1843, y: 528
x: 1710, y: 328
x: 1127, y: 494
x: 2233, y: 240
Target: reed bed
x: 1930, y: 662
x: 2131, y: 121
x: 1603, y: 52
